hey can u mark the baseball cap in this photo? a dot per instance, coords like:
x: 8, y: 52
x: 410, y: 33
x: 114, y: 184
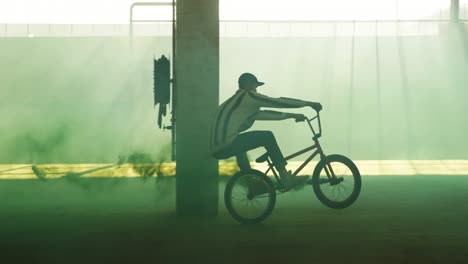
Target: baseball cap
x: 248, y: 78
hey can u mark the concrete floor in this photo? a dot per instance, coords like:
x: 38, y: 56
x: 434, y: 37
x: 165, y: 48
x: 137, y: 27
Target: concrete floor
x: 412, y: 219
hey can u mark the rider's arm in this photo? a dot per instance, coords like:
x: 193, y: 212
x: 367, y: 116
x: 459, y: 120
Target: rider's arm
x: 273, y: 115
x: 282, y: 102
x: 267, y: 115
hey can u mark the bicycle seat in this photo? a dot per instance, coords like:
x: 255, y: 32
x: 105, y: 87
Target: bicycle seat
x: 262, y: 158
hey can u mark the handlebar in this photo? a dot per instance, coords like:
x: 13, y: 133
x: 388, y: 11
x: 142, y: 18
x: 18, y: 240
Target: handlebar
x: 319, y: 134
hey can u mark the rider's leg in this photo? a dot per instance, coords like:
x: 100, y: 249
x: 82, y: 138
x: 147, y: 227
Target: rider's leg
x: 243, y: 161
x: 268, y: 140
x: 254, y: 139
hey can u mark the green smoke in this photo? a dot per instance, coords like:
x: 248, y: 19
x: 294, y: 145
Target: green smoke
x: 39, y: 148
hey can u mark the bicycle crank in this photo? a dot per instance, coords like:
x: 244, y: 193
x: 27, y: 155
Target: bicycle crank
x: 332, y: 182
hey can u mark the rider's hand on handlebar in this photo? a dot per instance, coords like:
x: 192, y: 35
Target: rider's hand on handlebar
x: 299, y: 117
x: 316, y: 106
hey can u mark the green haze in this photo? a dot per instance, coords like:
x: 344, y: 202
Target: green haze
x: 90, y: 99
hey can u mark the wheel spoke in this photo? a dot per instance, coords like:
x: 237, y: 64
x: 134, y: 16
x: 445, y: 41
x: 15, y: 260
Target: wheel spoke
x: 258, y: 206
x: 343, y: 190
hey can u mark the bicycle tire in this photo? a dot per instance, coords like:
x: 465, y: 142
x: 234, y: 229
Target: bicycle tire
x: 235, y: 211
x: 318, y: 186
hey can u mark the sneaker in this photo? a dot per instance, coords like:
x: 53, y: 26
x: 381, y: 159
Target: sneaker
x: 290, y: 180
x: 259, y: 190
x: 321, y: 181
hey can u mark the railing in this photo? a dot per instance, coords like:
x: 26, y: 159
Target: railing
x: 236, y: 28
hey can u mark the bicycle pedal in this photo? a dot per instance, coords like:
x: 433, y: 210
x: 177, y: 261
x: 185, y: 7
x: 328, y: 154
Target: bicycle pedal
x: 324, y: 181
x: 337, y: 181
x: 321, y: 181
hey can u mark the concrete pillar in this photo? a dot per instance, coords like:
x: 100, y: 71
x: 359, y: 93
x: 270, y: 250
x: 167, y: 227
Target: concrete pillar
x: 197, y: 95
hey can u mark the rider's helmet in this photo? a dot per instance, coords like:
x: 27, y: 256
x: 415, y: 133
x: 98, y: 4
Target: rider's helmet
x: 248, y: 81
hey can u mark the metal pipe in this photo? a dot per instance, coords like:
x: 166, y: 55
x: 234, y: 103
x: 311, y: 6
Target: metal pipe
x: 174, y: 83
x: 173, y: 4
x: 455, y: 11
x: 351, y: 89
x: 337, y: 21
x: 378, y: 92
x: 144, y: 4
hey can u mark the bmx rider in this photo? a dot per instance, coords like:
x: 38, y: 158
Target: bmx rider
x: 239, y: 112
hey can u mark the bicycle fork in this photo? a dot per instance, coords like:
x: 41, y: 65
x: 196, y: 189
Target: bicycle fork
x: 332, y: 179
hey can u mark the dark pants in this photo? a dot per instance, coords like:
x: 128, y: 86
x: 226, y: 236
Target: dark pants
x: 252, y: 140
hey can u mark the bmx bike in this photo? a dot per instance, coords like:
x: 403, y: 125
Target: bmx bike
x: 250, y: 196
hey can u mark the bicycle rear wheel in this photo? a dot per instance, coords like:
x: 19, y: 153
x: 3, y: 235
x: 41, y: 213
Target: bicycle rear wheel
x: 344, y: 190
x: 250, y: 196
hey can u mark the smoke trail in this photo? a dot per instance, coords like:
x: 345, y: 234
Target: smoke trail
x: 37, y: 148
x: 40, y: 174
x: 148, y: 166
x: 145, y: 165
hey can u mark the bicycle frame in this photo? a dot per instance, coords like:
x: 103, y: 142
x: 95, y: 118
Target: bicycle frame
x: 318, y: 151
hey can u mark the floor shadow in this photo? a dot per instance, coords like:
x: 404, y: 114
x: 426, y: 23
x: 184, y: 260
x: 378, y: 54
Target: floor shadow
x: 20, y: 168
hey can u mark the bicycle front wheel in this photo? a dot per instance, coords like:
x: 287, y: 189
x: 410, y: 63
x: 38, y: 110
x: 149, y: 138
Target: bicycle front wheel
x: 250, y: 196
x: 336, y: 182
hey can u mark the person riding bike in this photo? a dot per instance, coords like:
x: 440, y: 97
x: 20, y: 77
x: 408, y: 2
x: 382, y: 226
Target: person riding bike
x: 238, y: 114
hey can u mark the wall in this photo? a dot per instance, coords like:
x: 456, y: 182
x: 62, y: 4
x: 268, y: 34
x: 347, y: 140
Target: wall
x: 90, y: 99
